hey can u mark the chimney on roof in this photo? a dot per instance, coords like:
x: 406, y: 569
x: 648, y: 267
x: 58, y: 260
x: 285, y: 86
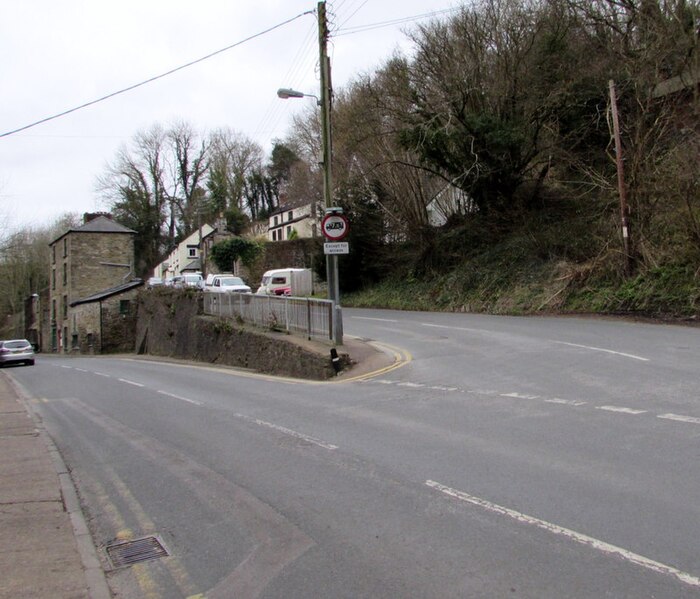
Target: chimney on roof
x: 88, y: 216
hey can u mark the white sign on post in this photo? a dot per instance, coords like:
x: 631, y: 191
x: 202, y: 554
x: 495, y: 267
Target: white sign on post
x: 338, y: 247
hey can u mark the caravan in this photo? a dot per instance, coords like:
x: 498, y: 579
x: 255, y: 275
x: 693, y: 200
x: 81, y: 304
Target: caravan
x: 286, y: 281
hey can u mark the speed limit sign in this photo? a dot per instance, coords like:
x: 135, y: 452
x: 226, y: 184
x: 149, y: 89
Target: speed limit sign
x: 334, y: 226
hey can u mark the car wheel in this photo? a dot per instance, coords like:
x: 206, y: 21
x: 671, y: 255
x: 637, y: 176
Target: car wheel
x: 30, y: 362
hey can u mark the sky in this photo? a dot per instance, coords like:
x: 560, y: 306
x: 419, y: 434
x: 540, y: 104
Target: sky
x: 61, y: 55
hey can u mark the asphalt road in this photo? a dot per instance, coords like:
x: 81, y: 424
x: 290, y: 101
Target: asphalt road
x: 509, y: 457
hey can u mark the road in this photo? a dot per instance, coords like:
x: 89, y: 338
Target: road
x: 508, y: 457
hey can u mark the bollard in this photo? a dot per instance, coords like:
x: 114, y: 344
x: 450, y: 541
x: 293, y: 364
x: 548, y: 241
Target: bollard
x: 335, y: 360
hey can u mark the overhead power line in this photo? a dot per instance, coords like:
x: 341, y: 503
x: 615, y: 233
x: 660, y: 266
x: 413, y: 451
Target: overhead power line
x: 155, y: 78
x: 381, y: 24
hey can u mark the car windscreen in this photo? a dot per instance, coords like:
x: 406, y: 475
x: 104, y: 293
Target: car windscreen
x: 229, y: 281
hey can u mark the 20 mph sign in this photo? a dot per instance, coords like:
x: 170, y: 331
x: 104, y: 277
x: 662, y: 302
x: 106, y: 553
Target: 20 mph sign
x: 335, y: 227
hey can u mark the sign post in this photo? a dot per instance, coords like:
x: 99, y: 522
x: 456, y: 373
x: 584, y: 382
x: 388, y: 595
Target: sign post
x: 334, y: 227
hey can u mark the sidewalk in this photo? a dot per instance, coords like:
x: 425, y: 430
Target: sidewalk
x: 46, y: 551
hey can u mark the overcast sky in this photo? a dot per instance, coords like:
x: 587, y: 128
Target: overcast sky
x: 57, y: 55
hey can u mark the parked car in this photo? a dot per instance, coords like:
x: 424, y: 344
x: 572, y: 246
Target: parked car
x: 188, y: 280
x: 154, y: 282
x: 226, y: 283
x: 15, y: 351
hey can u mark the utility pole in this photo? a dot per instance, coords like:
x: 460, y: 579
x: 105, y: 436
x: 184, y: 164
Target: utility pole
x: 327, y: 144
x: 624, y: 210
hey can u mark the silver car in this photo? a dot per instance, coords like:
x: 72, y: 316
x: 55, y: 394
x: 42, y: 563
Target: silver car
x: 15, y: 351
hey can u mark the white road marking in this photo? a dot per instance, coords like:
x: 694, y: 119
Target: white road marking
x: 377, y: 319
x: 443, y: 326
x: 128, y: 382
x: 383, y: 381
x: 519, y: 396
x: 441, y: 388
x: 607, y: 351
x: 678, y: 418
x: 565, y: 402
x: 592, y: 542
x: 81, y: 369
x: 288, y: 431
x: 621, y: 410
x: 67, y: 367
x: 108, y: 376
x: 414, y: 385
x: 192, y: 401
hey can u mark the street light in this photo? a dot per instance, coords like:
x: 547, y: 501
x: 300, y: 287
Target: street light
x: 285, y: 93
x: 326, y: 139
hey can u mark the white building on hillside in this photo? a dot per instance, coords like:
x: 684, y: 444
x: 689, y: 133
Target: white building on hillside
x: 287, y: 222
x: 186, y: 257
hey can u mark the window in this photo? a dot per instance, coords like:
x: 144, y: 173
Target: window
x: 290, y: 215
x: 276, y: 221
x: 124, y: 307
x: 65, y: 274
x: 53, y: 254
x: 53, y: 310
x: 65, y: 306
x: 289, y: 231
x: 53, y: 279
x: 192, y: 252
x: 65, y: 246
x: 274, y: 236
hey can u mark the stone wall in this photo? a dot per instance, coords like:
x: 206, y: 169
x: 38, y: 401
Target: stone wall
x: 171, y: 323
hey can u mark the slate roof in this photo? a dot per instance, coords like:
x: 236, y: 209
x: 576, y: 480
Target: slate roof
x: 101, y: 295
x: 100, y: 224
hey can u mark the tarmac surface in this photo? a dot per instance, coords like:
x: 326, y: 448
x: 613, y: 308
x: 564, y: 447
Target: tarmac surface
x: 46, y: 551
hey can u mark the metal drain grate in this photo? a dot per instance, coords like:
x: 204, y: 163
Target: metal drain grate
x: 128, y: 553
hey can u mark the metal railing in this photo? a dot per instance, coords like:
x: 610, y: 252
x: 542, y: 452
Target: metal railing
x: 300, y: 315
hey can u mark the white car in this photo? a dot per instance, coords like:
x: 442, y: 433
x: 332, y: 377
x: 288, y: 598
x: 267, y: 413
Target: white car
x: 226, y: 284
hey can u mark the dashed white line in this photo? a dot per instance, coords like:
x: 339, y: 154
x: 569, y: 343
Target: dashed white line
x: 565, y: 402
x: 413, y: 385
x: 107, y: 376
x: 288, y: 431
x: 81, y: 369
x: 607, y: 351
x: 621, y: 410
x: 187, y: 399
x: 519, y: 396
x: 592, y: 542
x: 128, y: 382
x: 441, y: 388
x: 679, y: 418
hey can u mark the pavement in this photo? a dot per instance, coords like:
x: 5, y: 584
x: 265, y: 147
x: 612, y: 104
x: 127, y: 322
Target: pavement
x: 46, y: 551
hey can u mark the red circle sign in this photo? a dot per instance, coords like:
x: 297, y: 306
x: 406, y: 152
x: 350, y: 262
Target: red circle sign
x: 335, y: 227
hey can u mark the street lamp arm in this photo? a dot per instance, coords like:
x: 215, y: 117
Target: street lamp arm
x: 285, y: 93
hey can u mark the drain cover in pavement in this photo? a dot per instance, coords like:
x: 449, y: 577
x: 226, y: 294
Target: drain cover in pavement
x: 127, y: 553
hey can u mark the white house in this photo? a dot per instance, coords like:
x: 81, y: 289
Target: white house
x: 186, y: 256
x: 287, y: 222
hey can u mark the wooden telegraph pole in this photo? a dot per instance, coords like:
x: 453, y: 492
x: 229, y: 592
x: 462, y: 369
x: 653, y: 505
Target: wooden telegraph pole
x: 624, y: 210
x: 327, y: 142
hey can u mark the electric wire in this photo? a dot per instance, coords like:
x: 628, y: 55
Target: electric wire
x: 391, y: 23
x: 155, y: 78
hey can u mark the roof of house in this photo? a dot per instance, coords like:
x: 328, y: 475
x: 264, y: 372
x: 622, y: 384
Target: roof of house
x: 100, y: 224
x: 101, y: 295
x: 195, y: 265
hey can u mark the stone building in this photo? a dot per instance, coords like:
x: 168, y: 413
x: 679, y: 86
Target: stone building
x: 87, y: 260
x: 105, y: 322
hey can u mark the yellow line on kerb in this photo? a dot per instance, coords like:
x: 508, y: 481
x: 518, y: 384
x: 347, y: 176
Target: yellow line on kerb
x: 401, y: 358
